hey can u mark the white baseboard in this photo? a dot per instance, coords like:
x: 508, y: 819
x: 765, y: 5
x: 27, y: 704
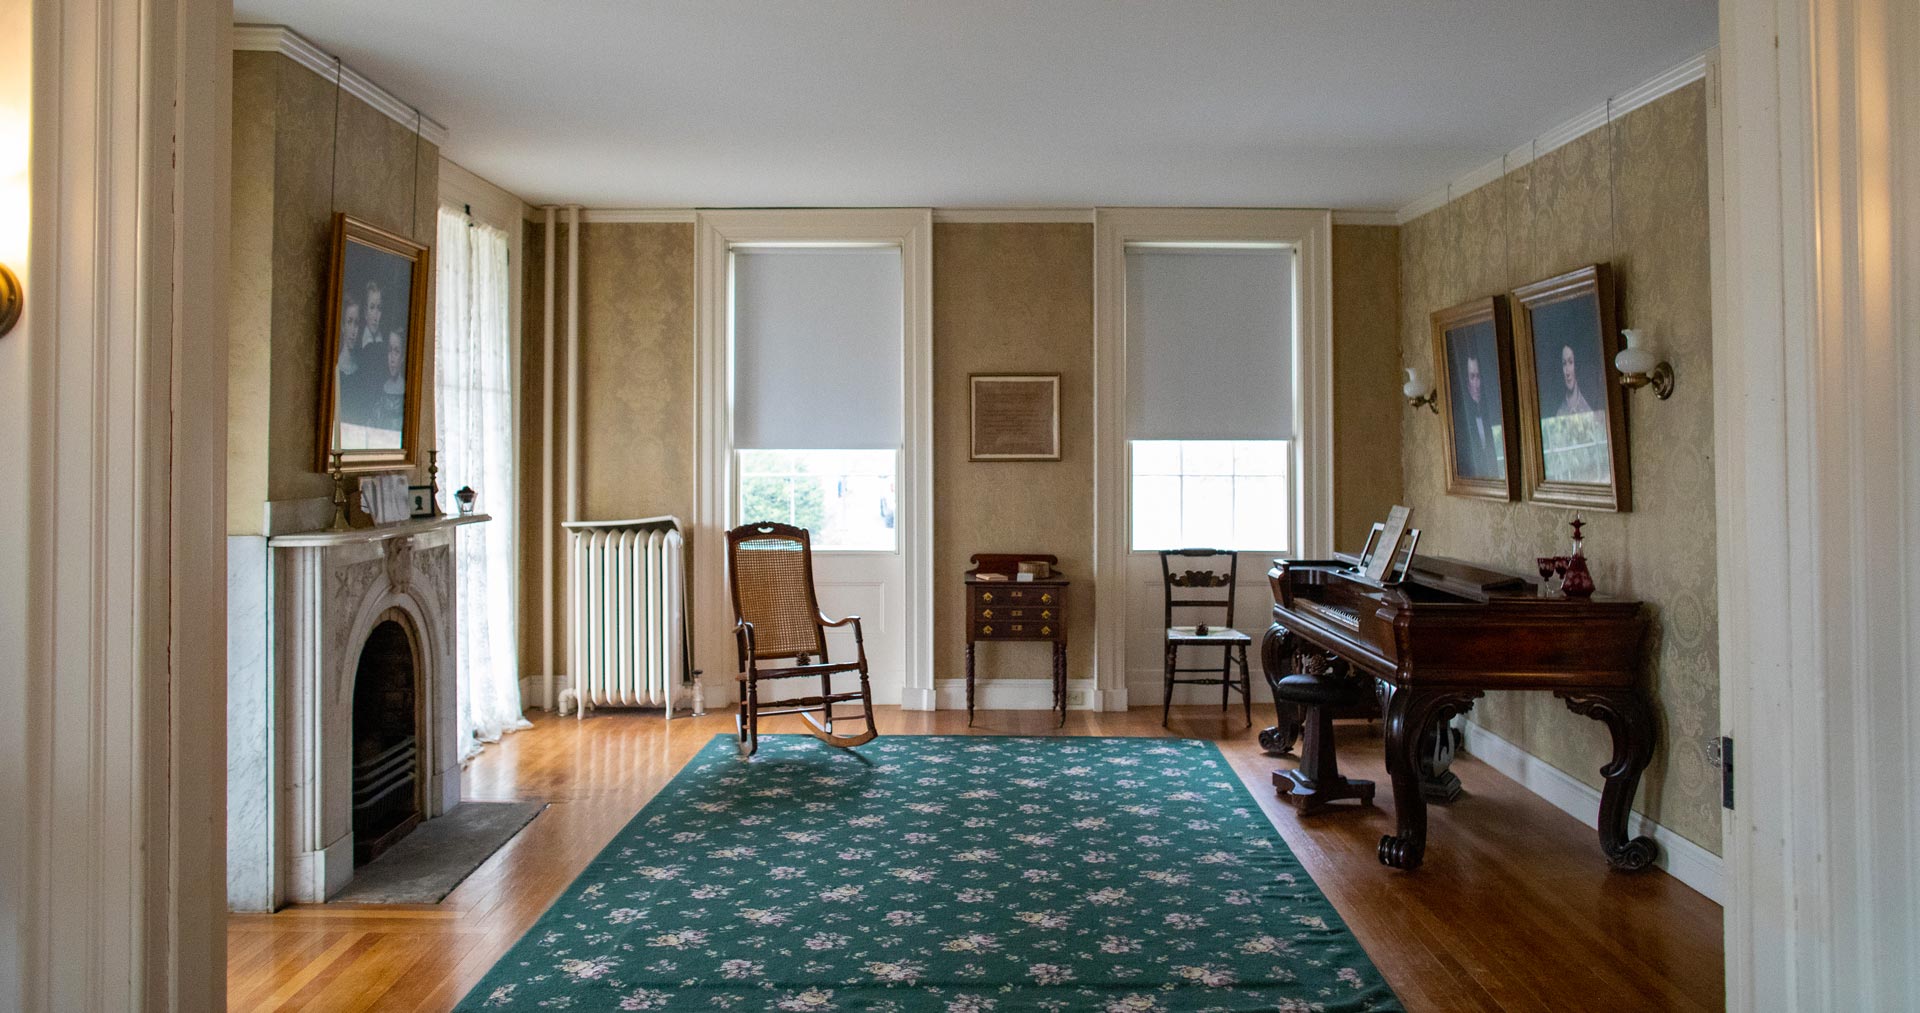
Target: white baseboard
x: 530, y: 687
x: 915, y: 698
x: 1014, y: 694
x: 1111, y: 700
x: 1684, y: 860
x: 1147, y: 685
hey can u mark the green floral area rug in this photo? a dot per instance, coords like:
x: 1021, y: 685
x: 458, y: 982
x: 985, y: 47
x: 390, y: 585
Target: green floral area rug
x: 961, y: 874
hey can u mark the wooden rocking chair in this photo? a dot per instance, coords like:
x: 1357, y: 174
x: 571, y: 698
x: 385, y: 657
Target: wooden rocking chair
x: 776, y: 616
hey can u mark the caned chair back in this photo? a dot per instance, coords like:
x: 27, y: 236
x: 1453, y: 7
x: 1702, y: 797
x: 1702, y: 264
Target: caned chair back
x: 1201, y: 579
x: 771, y: 569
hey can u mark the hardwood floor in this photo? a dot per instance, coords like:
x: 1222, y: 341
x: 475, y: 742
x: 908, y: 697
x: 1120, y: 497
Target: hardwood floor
x: 1513, y: 910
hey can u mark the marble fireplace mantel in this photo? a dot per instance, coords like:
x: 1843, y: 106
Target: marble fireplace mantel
x: 329, y: 589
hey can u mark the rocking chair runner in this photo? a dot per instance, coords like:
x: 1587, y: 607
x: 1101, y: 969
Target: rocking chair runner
x: 777, y: 617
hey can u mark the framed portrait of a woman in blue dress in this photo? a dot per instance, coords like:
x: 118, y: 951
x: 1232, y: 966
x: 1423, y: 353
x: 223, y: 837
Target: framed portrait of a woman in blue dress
x: 1573, y: 424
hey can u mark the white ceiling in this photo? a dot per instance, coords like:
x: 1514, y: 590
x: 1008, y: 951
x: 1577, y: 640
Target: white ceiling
x: 959, y: 103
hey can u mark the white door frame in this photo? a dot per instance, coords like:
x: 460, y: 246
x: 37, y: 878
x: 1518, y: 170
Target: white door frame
x: 1816, y: 375
x: 113, y: 398
x: 715, y: 233
x: 1310, y: 233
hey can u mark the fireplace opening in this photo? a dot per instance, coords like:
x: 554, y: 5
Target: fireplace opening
x: 386, y: 742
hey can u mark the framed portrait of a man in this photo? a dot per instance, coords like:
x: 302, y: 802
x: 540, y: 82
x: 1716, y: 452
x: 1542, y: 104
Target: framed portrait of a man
x: 1573, y: 417
x: 375, y: 341
x: 1473, y: 360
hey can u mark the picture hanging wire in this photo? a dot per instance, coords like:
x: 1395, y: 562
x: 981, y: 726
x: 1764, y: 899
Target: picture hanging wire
x: 333, y: 171
x: 415, y: 232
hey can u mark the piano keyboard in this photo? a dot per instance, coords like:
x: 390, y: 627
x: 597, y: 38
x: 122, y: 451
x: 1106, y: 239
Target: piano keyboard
x: 1340, y: 615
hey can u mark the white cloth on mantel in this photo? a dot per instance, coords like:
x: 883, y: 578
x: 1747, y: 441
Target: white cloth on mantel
x: 384, y: 498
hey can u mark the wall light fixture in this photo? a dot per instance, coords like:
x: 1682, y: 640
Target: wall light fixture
x: 1415, y: 399
x: 1640, y: 365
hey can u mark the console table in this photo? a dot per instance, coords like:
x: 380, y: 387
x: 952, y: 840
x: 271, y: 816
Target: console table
x: 1004, y: 608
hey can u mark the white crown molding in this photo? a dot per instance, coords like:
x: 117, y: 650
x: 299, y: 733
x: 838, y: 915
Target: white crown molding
x: 651, y: 216
x: 619, y: 216
x: 1559, y: 135
x: 1366, y: 217
x: 1684, y: 860
x: 301, y: 50
x: 1012, y: 216
x: 941, y: 216
x: 484, y: 200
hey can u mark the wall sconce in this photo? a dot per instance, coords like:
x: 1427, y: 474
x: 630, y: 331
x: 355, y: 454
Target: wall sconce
x: 13, y: 216
x: 1640, y: 364
x: 13, y: 299
x: 1430, y: 400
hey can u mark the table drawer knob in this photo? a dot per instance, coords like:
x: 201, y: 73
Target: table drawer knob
x: 986, y: 631
x: 1017, y: 628
x: 986, y: 596
x: 986, y: 613
x: 1046, y: 631
x: 1046, y: 598
x: 1046, y: 613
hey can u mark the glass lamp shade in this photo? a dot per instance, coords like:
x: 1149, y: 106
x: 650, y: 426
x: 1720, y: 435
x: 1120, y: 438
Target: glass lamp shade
x: 1413, y: 388
x: 1638, y: 358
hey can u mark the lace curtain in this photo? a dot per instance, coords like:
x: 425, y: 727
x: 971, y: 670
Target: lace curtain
x: 473, y: 411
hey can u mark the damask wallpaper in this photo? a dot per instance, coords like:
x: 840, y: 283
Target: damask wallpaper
x: 1012, y: 297
x: 288, y: 180
x: 1632, y: 194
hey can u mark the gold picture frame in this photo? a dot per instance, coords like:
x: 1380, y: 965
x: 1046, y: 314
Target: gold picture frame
x: 371, y: 372
x: 1473, y: 366
x: 1014, y: 417
x: 1573, y: 420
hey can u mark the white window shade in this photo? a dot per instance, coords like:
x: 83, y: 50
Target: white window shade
x: 1209, y: 335
x: 817, y: 345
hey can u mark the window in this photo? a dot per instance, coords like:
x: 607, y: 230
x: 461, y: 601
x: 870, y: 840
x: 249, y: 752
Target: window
x: 844, y: 497
x: 1222, y: 494
x: 817, y: 390
x: 1210, y: 335
x: 473, y: 415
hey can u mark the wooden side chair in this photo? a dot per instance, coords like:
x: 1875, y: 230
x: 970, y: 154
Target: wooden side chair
x: 777, y: 618
x: 1205, y: 583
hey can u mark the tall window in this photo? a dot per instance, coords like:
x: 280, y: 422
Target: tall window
x: 817, y: 390
x: 1209, y: 334
x: 1230, y: 494
x: 473, y: 418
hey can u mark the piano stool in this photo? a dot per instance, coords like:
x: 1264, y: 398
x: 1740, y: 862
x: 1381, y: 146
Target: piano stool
x: 1318, y: 782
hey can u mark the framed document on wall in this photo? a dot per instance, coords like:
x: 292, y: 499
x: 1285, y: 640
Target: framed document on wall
x: 1573, y: 421
x: 1016, y: 417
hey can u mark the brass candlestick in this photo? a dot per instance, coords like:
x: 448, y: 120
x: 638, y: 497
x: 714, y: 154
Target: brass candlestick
x: 339, y: 476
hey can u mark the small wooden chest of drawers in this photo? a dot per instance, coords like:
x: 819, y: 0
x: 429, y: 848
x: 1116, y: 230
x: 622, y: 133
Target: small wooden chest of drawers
x: 999, y: 610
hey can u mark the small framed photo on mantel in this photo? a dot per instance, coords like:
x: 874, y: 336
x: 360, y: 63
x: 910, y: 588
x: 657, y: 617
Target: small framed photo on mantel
x: 1015, y: 417
x: 1473, y: 359
x: 1573, y: 421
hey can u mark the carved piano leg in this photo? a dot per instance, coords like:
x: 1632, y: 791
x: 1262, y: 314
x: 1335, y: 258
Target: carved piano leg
x: 1630, y: 720
x: 1289, y: 719
x: 1439, y: 784
x: 1410, y: 712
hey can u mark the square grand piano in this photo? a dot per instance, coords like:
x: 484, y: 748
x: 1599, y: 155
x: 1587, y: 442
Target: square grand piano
x: 1435, y: 642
